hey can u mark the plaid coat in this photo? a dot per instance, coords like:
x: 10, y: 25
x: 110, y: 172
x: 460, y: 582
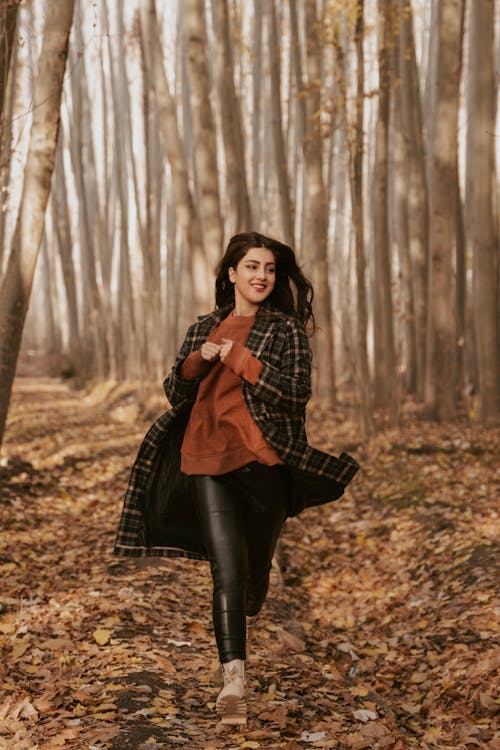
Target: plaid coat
x: 158, y: 515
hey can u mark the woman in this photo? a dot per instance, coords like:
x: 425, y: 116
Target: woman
x: 218, y: 474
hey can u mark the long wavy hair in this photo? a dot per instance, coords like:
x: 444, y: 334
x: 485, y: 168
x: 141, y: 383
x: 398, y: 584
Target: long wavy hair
x: 293, y: 292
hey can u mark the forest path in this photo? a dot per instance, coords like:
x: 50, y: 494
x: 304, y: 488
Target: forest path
x: 392, y: 592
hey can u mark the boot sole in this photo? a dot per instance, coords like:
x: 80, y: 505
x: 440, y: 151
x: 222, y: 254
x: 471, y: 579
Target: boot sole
x: 232, y: 710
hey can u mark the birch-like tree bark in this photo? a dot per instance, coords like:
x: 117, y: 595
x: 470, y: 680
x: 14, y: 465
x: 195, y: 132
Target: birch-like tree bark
x: 441, y: 355
x: 16, y: 286
x: 6, y: 147
x: 356, y: 176
x: 316, y: 230
x: 8, y: 19
x: 239, y: 211
x: 417, y: 194
x: 51, y: 321
x: 206, y: 164
x: 93, y: 322
x: 62, y: 231
x: 256, y: 127
x: 484, y: 229
x: 186, y: 214
x: 385, y: 356
x: 277, y: 126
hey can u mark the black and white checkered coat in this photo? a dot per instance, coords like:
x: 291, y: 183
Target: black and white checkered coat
x: 158, y: 516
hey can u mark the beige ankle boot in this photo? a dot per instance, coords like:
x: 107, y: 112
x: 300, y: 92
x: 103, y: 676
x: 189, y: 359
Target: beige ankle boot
x: 231, y: 704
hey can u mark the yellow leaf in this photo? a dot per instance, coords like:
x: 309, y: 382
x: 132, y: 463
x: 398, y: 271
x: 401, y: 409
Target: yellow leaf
x: 19, y: 648
x: 102, y: 636
x: 251, y: 744
x: 360, y: 692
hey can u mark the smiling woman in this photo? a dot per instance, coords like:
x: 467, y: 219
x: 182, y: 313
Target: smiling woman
x: 217, y: 475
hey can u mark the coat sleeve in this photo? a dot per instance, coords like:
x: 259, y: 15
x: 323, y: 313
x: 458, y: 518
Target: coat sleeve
x: 177, y: 388
x: 287, y: 386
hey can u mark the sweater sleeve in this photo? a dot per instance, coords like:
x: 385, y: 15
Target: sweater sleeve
x: 242, y: 362
x: 177, y: 388
x: 194, y: 366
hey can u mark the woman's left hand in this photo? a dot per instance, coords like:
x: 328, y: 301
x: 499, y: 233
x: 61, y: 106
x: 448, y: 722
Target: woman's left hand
x: 225, y: 348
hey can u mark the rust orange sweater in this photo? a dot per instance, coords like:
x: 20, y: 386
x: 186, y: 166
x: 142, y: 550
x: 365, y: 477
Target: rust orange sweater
x: 221, y: 435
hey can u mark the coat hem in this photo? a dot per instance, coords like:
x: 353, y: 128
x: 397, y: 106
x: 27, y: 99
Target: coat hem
x: 123, y: 551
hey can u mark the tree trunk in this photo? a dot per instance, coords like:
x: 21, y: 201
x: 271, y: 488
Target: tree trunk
x: 385, y: 357
x: 62, y: 231
x: 6, y: 149
x: 16, y: 286
x: 52, y: 336
x: 93, y: 323
x: 240, y: 216
x: 186, y: 214
x: 8, y: 20
x: 317, y: 214
x: 204, y: 125
x: 128, y: 356
x: 356, y: 172
x: 406, y: 334
x: 417, y: 195
x: 257, y: 88
x: 440, y: 382
x: 277, y: 126
x: 485, y: 239
x: 151, y: 293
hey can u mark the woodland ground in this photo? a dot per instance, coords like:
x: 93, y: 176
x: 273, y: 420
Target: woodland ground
x: 381, y: 633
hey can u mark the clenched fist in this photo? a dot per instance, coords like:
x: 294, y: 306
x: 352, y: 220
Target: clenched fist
x: 210, y: 351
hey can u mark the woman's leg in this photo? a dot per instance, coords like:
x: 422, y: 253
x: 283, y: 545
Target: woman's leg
x: 264, y: 514
x: 220, y: 514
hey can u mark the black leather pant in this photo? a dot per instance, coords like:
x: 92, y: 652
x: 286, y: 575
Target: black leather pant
x: 241, y: 515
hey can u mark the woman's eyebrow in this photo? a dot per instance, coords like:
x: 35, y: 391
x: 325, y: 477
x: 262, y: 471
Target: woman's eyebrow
x: 249, y: 260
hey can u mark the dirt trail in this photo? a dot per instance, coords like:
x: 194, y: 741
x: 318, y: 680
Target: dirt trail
x: 381, y: 637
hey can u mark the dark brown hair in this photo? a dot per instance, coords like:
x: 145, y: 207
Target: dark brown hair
x: 293, y: 300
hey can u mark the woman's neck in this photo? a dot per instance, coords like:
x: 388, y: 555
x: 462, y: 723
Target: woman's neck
x: 244, y: 312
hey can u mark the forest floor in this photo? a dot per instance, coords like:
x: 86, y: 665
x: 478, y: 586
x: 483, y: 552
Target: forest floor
x: 380, y: 632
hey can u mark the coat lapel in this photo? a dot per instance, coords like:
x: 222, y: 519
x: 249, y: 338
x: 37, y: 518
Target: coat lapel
x: 261, y: 334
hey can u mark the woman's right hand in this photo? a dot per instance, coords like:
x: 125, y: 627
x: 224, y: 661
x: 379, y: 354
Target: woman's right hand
x: 210, y: 351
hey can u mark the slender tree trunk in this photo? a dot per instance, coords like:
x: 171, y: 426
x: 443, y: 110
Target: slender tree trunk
x: 186, y: 214
x: 16, y: 286
x: 257, y: 88
x: 240, y: 216
x: 52, y: 325
x: 296, y: 60
x: 204, y: 126
x: 8, y: 20
x: 151, y: 295
x: 460, y: 297
x: 277, y: 126
x: 485, y: 238
x: 62, y: 231
x: 417, y: 195
x: 93, y: 324
x: 128, y: 343
x: 440, y: 383
x: 356, y: 172
x: 6, y: 148
x: 317, y: 214
x: 406, y: 333
x: 385, y: 356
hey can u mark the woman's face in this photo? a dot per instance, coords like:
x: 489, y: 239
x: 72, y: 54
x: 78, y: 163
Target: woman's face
x: 254, y: 278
